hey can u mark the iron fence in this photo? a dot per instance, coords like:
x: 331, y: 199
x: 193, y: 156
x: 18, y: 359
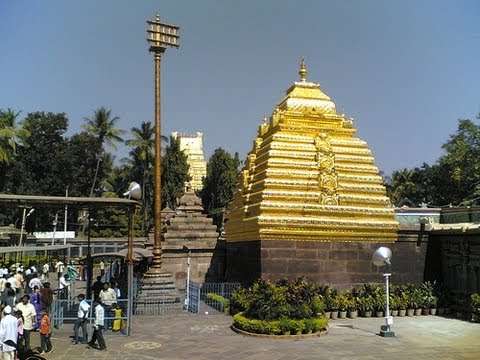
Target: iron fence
x: 65, y: 311
x: 210, y: 296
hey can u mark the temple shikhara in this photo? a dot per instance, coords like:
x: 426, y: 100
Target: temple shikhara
x: 192, y: 145
x: 308, y: 178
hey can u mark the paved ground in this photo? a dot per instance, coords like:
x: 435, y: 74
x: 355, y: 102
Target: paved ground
x: 208, y: 337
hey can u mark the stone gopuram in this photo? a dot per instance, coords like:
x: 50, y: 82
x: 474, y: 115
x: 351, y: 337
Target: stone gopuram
x: 192, y: 145
x: 310, y: 200
x: 190, y: 233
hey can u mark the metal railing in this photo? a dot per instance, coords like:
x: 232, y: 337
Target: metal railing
x: 201, y: 299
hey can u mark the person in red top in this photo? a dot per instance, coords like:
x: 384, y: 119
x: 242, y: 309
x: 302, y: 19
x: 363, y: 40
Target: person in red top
x: 45, y: 332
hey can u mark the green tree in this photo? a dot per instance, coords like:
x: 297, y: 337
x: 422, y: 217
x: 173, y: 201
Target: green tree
x: 220, y: 182
x: 142, y: 157
x: 174, y: 173
x: 453, y: 179
x: 103, y: 126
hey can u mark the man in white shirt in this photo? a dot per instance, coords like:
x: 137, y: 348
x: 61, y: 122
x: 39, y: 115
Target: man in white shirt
x: 108, y: 297
x: 29, y: 317
x: 8, y: 334
x: 98, y: 328
x: 81, y: 321
x: 63, y: 287
x: 45, y: 272
x: 13, y: 282
x: 35, y: 281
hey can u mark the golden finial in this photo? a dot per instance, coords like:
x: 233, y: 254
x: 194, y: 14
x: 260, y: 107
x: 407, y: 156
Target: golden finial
x: 303, y: 71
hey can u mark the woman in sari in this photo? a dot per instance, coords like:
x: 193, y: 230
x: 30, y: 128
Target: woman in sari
x: 35, y: 299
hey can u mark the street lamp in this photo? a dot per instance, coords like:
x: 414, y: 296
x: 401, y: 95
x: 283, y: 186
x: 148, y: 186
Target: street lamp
x: 159, y: 36
x: 382, y: 257
x: 24, y: 220
x: 134, y: 192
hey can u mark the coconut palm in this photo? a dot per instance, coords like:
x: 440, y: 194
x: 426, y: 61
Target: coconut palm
x: 103, y: 126
x: 11, y: 135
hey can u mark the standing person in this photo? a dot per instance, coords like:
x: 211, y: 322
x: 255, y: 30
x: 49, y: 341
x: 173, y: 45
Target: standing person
x: 3, y: 281
x: 21, y: 340
x: 63, y: 287
x: 45, y: 333
x: 29, y: 317
x: 102, y: 268
x: 8, y: 295
x: 46, y: 272
x: 8, y: 334
x: 46, y: 296
x: 97, y: 287
x: 34, y: 281
x: 108, y: 297
x: 13, y: 283
x: 20, y: 282
x: 98, y: 327
x: 36, y: 301
x: 81, y: 321
x: 60, y: 268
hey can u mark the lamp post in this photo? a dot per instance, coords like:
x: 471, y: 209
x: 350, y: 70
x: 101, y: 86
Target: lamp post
x: 135, y: 192
x: 159, y: 36
x: 382, y: 257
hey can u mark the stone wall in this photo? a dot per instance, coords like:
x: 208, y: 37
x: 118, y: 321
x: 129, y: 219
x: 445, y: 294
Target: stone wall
x: 206, y: 262
x: 454, y: 259
x: 342, y: 264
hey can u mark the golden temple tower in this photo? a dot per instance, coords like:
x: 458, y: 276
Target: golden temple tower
x: 309, y: 177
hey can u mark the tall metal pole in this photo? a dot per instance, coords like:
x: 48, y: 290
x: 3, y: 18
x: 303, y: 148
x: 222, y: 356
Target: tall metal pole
x: 160, y: 36
x: 65, y: 220
x: 89, y: 260
x: 24, y: 217
x: 157, y: 244
x: 130, y: 271
x: 55, y: 222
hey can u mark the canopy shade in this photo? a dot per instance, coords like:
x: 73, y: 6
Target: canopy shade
x: 55, y: 201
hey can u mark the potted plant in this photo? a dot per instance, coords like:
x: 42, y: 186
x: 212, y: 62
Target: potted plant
x: 365, y: 305
x: 379, y: 300
x: 429, y: 300
x: 402, y: 304
x: 334, y: 306
x: 353, y: 307
x: 343, y: 303
x: 394, y: 304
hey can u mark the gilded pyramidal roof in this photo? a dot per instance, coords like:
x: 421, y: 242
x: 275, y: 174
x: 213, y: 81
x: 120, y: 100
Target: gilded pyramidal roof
x: 309, y: 177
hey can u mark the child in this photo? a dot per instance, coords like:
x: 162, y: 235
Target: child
x: 117, y: 323
x: 45, y: 332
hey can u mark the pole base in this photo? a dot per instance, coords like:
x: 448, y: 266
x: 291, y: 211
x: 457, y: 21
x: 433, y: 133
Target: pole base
x: 385, y: 331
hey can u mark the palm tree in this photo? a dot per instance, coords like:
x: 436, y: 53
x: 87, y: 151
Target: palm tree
x: 10, y: 135
x: 103, y: 126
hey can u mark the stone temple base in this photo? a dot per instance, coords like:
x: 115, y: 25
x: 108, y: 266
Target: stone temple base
x: 340, y: 264
x: 155, y: 292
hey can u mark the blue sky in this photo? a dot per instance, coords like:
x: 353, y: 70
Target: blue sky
x: 405, y: 70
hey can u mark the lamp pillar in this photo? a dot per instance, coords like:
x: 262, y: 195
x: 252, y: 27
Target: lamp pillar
x: 160, y: 36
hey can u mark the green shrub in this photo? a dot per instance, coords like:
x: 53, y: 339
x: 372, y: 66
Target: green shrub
x: 278, y: 327
x: 220, y: 299
x: 475, y: 305
x: 240, y: 301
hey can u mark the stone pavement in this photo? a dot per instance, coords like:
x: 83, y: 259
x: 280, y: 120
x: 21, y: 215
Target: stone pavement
x: 187, y: 336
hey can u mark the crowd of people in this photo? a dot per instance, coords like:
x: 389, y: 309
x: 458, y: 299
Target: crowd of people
x: 26, y: 299
x: 25, y: 304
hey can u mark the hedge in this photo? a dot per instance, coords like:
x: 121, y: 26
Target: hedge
x: 279, y: 327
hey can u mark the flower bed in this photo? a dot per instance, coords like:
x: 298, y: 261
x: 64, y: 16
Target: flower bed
x: 280, y: 327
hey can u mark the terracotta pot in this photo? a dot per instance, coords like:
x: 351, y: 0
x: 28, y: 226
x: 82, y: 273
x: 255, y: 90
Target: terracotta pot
x: 410, y: 312
x: 327, y: 314
x: 402, y: 312
x: 367, y: 314
x: 353, y: 314
x: 433, y: 311
x: 425, y: 311
x: 440, y: 311
x: 418, y: 312
x: 342, y: 314
x: 379, y: 313
x: 334, y: 315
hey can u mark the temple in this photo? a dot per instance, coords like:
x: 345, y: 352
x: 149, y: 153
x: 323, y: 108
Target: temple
x: 308, y: 178
x: 192, y: 145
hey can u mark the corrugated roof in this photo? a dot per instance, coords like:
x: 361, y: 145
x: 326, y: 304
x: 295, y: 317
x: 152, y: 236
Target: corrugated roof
x: 82, y: 202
